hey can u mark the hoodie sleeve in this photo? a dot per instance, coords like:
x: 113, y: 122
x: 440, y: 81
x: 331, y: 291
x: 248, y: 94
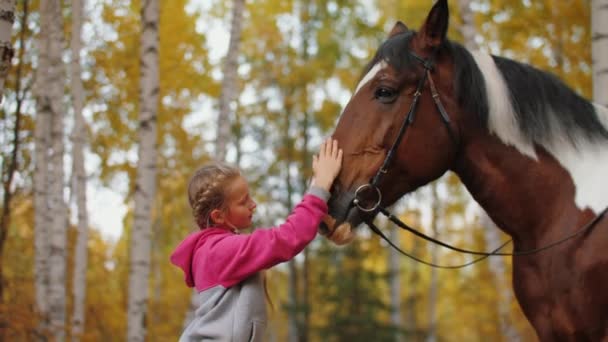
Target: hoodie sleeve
x: 234, y: 258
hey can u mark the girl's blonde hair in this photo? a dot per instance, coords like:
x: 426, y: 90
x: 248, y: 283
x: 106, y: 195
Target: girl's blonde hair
x: 207, y: 190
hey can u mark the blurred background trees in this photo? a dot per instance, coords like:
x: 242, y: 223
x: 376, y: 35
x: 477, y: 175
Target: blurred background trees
x: 294, y: 67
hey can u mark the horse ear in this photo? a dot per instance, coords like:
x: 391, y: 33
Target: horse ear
x: 397, y: 29
x: 435, y: 28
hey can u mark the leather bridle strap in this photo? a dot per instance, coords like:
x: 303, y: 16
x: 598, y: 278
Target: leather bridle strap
x: 431, y: 264
x: 444, y: 114
x: 484, y: 255
x: 409, y: 118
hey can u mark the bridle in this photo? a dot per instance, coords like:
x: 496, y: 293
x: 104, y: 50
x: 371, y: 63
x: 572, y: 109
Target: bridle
x: 373, y: 185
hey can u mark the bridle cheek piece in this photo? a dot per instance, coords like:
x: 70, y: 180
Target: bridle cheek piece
x: 409, y: 119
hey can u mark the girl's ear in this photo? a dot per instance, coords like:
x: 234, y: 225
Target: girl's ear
x: 217, y: 216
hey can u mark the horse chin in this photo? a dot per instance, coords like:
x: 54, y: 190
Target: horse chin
x: 340, y: 234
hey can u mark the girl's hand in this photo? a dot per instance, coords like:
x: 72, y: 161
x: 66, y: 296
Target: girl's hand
x: 326, y: 165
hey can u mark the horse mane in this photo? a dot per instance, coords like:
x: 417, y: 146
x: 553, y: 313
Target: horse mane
x: 545, y: 109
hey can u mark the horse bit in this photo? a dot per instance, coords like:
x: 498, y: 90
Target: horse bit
x: 376, y: 206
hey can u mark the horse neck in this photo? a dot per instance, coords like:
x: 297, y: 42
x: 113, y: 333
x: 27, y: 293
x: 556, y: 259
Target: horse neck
x: 525, y: 197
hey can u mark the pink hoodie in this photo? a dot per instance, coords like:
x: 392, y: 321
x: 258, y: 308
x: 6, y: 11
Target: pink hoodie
x: 217, y: 256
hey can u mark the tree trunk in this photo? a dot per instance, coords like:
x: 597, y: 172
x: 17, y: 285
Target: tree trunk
x: 499, y: 269
x: 229, y: 86
x: 599, y: 18
x: 11, y: 166
x: 79, y: 176
x: 7, y: 18
x: 51, y: 210
x: 468, y: 28
x: 145, y: 187
x: 306, y: 300
x: 293, y: 324
x: 42, y: 138
x: 394, y: 269
x: 437, y: 212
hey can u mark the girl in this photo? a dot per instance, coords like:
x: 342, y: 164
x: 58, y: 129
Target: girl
x: 224, y: 266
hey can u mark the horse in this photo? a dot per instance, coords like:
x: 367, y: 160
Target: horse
x: 530, y: 150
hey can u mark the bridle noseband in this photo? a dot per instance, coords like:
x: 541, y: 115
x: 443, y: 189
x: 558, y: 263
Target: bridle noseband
x: 373, y: 185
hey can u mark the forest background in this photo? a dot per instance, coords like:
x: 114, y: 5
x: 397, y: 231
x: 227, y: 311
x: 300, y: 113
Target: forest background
x: 259, y: 84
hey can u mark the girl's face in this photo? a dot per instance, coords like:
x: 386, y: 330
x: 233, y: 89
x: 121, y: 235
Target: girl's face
x: 239, y: 205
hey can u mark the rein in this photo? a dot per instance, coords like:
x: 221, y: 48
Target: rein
x: 484, y: 255
x: 376, y: 207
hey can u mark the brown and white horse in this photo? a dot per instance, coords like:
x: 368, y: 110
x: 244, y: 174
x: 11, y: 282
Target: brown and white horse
x: 532, y: 153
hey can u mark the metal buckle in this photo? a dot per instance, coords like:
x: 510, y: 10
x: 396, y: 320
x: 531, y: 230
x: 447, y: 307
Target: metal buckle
x: 357, y: 203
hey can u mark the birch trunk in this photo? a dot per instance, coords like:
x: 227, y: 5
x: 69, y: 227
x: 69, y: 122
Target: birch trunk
x: 42, y: 138
x: 79, y: 176
x: 145, y: 187
x: 51, y: 224
x: 293, y: 324
x: 306, y: 302
x: 468, y: 28
x: 499, y: 269
x: 437, y: 212
x: 229, y: 86
x: 599, y: 18
x: 7, y: 18
x: 10, y: 168
x: 394, y: 262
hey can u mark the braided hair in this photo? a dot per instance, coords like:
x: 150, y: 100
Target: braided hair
x: 207, y: 190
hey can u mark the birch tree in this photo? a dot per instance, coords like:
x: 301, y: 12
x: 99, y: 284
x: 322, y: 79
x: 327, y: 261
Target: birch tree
x: 78, y: 175
x: 467, y: 28
x: 229, y: 85
x: 145, y: 187
x: 7, y: 18
x: 10, y: 164
x: 58, y: 208
x: 437, y: 211
x: 42, y: 138
x: 51, y: 211
x: 394, y: 269
x: 599, y: 18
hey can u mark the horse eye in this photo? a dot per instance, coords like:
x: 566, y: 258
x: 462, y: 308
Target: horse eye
x: 385, y: 95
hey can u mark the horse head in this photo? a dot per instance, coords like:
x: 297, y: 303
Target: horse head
x: 399, y: 108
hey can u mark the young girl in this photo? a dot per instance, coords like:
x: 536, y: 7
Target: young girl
x: 225, y: 266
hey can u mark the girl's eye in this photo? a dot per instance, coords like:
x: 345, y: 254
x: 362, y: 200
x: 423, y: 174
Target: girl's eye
x: 385, y: 95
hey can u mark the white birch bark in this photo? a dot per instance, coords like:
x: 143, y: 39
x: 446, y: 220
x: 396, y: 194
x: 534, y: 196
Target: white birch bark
x: 7, y: 18
x: 79, y: 176
x: 229, y: 85
x: 145, y: 187
x: 42, y: 138
x: 599, y: 18
x: 468, y: 28
x: 437, y: 212
x: 394, y: 268
x: 52, y: 239
x: 499, y: 269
